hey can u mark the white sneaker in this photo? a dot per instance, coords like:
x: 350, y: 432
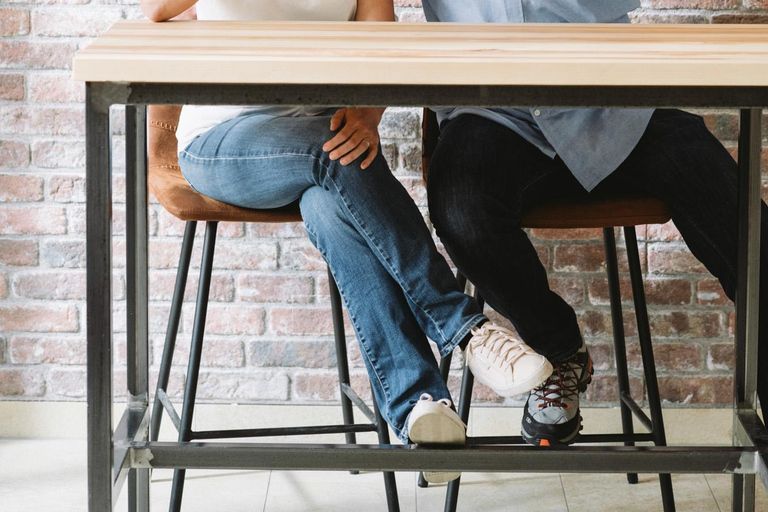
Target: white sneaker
x: 503, y: 363
x: 433, y: 422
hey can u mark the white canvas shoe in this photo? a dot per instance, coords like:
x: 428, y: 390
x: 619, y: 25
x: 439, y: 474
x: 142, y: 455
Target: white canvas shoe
x: 433, y: 423
x: 504, y: 363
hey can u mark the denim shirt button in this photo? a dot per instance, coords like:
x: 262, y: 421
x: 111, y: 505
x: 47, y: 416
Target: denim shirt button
x: 537, y: 112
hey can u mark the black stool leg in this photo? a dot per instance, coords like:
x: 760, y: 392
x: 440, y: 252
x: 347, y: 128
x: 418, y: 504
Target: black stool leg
x: 390, y: 484
x: 619, y: 342
x: 465, y: 400
x: 173, y: 326
x: 342, y: 361
x: 649, y: 365
x: 195, y: 353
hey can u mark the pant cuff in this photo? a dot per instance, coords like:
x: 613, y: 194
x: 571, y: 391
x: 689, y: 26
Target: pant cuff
x: 461, y: 334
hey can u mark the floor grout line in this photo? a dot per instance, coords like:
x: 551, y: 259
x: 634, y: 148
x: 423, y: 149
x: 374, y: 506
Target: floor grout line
x: 717, y: 503
x: 266, y: 494
x: 565, y: 496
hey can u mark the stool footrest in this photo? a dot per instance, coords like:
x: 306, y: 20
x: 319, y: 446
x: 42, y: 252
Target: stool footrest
x: 637, y: 411
x: 169, y: 408
x: 355, y: 398
x: 283, y: 431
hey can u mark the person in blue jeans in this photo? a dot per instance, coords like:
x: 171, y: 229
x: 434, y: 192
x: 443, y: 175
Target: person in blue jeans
x: 492, y: 164
x: 395, y: 284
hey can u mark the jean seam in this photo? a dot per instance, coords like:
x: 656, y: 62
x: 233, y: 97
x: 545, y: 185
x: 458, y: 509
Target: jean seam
x: 375, y: 245
x: 215, y: 159
x: 376, y: 370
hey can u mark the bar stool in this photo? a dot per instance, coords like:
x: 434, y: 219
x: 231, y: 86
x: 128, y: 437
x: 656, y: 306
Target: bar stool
x: 606, y: 213
x: 175, y: 195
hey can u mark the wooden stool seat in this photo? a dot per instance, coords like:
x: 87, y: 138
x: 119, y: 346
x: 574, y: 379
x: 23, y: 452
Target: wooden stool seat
x: 598, y: 213
x: 173, y: 192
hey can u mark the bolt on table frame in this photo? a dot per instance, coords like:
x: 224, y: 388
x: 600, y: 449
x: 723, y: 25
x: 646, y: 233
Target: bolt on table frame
x: 124, y: 453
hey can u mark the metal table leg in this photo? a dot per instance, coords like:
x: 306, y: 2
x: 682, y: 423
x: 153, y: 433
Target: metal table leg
x: 748, y: 292
x: 137, y: 288
x: 99, y: 300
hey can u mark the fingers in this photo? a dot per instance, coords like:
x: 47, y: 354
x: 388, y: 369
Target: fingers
x: 340, y: 138
x: 369, y: 159
x: 356, y: 153
x: 338, y: 119
x: 350, y: 145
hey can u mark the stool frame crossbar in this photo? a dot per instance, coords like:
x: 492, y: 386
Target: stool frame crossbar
x: 123, y: 452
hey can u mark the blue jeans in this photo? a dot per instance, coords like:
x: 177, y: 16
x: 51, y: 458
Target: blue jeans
x: 483, y: 176
x: 394, y: 283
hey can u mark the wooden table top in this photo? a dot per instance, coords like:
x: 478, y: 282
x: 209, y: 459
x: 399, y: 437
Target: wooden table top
x: 427, y: 54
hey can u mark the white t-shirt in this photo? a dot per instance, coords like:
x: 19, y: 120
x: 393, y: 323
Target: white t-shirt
x: 195, y: 120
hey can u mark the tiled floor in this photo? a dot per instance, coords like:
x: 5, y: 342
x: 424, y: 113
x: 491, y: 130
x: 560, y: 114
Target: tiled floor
x: 49, y: 475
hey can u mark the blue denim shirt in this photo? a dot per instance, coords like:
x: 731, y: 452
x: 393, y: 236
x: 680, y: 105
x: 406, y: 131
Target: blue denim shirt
x: 591, y: 142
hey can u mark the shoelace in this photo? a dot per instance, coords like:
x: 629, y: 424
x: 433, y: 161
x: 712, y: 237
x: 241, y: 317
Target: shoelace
x: 563, y: 384
x: 426, y: 397
x: 500, y: 342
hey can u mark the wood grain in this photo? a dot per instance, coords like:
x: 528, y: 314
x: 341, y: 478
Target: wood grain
x: 427, y: 54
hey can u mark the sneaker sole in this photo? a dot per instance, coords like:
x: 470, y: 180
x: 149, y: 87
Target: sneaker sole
x: 525, y: 386
x: 431, y: 428
x: 537, y: 440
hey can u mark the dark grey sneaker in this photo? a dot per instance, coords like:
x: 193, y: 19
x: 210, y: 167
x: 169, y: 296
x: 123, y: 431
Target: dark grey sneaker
x: 552, y: 416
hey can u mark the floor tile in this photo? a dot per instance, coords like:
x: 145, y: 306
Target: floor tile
x: 306, y: 491
x: 489, y: 492
x: 721, y: 489
x: 584, y: 492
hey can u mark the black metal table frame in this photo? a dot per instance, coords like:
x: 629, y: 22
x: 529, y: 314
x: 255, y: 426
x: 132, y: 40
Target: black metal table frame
x: 124, y: 453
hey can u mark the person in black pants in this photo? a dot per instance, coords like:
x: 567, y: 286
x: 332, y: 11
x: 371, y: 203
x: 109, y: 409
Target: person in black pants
x: 483, y: 175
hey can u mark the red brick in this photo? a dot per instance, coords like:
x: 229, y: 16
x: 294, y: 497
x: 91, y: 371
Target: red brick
x: 740, y: 18
x: 14, y: 22
x: 50, y: 285
x: 70, y: 383
x: 36, y: 55
x: 245, y: 255
x: 672, y: 259
x: 678, y: 324
x: 45, y: 88
x: 301, y: 354
x: 73, y: 22
x: 265, y: 288
x: 3, y: 294
x: 37, y: 220
x: 416, y: 189
x: 568, y: 234
x: 11, y: 86
x: 602, y: 356
x: 231, y: 319
x: 3, y: 345
x: 59, y: 155
x: 663, y: 233
x: 657, y: 291
x: 695, y: 4
x: 605, y: 388
x: 302, y: 321
x: 243, y: 387
x: 21, y: 382
x: 409, y: 158
x: 710, y: 293
x: 162, y: 285
x: 579, y: 258
x: 20, y: 188
x: 18, y: 252
x: 64, y: 253
x: 662, y: 17
x: 42, y: 120
x: 599, y: 323
x: 42, y: 318
x: 65, y: 189
x: 668, y: 356
x: 571, y: 289
x: 38, y: 350
x: 276, y: 230
x: 721, y: 356
x: 697, y: 390
x: 724, y: 126
x: 322, y: 386
x: 300, y: 255
x: 14, y: 154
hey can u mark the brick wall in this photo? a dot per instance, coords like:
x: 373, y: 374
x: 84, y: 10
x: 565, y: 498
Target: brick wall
x: 269, y: 329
